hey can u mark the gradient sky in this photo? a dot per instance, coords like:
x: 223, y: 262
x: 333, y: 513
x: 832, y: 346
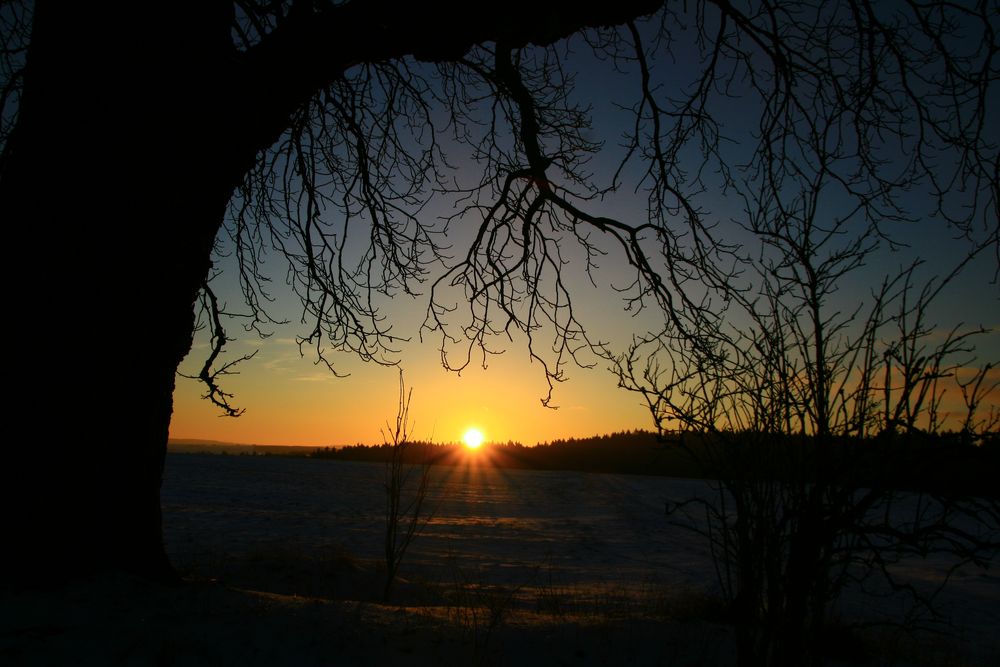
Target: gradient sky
x: 290, y: 400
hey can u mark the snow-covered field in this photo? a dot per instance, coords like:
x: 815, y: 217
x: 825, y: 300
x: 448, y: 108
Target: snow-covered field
x: 509, y: 527
x: 282, y: 561
x: 315, y: 527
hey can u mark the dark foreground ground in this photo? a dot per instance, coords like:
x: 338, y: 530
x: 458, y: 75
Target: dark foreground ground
x: 118, y: 620
x: 123, y: 621
x: 282, y: 566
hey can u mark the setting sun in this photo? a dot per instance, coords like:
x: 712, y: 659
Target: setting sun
x: 472, y: 438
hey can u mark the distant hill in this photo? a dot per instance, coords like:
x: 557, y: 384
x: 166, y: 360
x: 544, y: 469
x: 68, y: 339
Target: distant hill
x: 196, y: 446
x: 635, y: 452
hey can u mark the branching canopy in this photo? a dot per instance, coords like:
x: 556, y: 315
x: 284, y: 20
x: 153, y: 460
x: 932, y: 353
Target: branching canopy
x: 761, y: 133
x: 858, y: 122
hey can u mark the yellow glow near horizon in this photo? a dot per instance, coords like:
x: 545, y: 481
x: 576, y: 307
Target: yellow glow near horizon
x: 473, y: 438
x: 290, y: 402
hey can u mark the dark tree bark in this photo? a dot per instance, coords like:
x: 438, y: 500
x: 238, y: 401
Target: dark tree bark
x: 135, y: 125
x: 114, y: 185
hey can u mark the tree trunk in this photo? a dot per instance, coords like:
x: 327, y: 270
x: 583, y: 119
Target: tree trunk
x: 136, y: 122
x: 113, y: 187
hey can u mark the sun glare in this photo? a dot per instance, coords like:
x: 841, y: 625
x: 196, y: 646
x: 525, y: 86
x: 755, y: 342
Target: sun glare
x: 472, y: 438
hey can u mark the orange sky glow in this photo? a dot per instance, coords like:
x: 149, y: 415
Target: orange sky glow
x: 289, y: 400
x: 298, y: 403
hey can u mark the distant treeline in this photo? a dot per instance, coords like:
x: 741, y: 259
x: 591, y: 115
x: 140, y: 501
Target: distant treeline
x: 946, y: 463
x: 627, y: 452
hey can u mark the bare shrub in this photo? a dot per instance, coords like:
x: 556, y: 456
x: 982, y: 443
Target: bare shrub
x: 406, y: 510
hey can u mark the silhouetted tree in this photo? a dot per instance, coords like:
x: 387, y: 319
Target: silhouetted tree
x: 795, y: 356
x: 319, y: 130
x: 818, y: 469
x: 127, y: 129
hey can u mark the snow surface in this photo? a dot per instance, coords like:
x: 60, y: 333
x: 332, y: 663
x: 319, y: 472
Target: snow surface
x: 509, y: 526
x: 282, y: 560
x: 580, y: 536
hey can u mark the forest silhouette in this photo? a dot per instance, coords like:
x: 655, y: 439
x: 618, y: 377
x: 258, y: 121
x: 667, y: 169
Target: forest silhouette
x: 940, y: 463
